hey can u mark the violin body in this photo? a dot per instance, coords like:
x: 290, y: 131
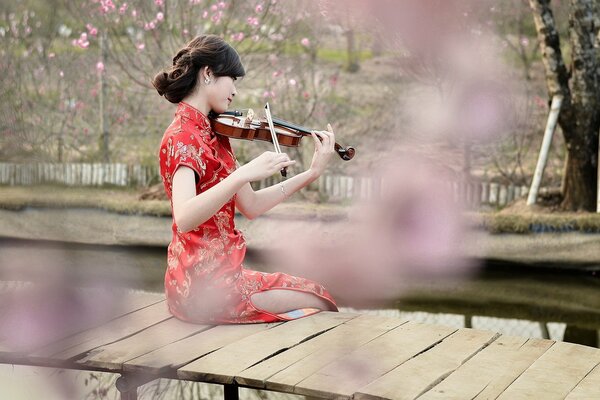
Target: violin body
x: 231, y: 124
x: 237, y: 128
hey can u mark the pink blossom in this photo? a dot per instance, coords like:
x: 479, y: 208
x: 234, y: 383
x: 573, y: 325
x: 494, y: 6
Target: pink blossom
x: 159, y: 2
x: 221, y: 5
x: 160, y: 16
x: 141, y: 46
x: 238, y: 37
x: 106, y: 6
x: 134, y: 13
x: 205, y: 14
x: 92, y: 30
x: 268, y: 94
x: 216, y: 18
x: 51, y: 55
x: 277, y: 73
x: 214, y: 7
x: 524, y: 41
x: 123, y: 8
x: 292, y: 82
x: 100, y: 66
x: 61, y: 74
x: 306, y: 95
x: 258, y: 8
x: 82, y: 41
x: 186, y: 32
x: 305, y: 42
x: 252, y: 21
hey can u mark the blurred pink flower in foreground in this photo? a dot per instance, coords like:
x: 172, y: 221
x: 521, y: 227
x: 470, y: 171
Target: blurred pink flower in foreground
x: 413, y: 230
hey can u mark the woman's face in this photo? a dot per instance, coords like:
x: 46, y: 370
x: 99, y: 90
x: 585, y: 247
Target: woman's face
x: 220, y: 93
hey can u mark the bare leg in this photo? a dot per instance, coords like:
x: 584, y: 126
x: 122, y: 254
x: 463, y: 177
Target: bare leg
x: 281, y: 300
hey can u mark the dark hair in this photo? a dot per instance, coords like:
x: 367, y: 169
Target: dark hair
x: 178, y: 80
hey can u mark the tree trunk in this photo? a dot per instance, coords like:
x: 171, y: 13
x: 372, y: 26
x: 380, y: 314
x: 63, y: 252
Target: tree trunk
x: 103, y: 100
x: 580, y: 115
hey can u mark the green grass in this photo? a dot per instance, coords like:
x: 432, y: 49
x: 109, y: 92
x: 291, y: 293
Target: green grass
x: 126, y: 201
x: 495, y: 222
x: 122, y: 201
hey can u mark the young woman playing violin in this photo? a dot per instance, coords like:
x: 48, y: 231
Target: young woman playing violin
x: 206, y: 281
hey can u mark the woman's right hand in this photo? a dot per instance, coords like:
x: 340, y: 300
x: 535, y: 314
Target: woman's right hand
x: 265, y: 165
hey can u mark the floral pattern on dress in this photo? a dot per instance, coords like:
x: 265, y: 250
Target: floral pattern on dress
x: 205, y: 281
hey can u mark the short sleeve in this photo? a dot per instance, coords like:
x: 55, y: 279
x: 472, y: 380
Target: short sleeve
x: 183, y: 149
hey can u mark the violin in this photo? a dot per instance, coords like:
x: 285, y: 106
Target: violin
x: 232, y: 124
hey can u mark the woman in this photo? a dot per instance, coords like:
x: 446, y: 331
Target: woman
x: 205, y: 281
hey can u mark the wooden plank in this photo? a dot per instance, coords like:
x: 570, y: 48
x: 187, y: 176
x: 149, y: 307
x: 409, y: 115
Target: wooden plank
x: 285, y: 370
x: 117, y: 329
x: 364, y: 365
x: 554, y: 374
x: 222, y: 365
x: 177, y: 354
x: 491, y: 371
x: 588, y: 387
x: 125, y: 301
x: 113, y: 355
x: 417, y: 375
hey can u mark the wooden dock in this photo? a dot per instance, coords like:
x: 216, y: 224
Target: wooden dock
x: 327, y: 355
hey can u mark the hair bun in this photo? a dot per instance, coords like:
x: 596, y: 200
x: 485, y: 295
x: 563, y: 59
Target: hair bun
x: 181, y: 53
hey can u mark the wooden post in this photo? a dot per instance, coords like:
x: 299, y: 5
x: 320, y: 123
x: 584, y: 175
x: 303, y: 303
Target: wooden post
x: 127, y: 384
x: 543, y: 157
x: 231, y: 392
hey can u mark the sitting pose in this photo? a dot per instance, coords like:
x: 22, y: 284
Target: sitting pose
x: 206, y: 281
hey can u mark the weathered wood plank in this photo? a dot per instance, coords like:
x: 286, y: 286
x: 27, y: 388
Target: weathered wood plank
x: 417, y: 375
x: 588, y: 387
x: 222, y: 365
x: 364, y: 365
x: 126, y: 301
x: 112, y: 356
x: 285, y: 370
x: 184, y: 351
x: 489, y: 372
x: 114, y: 330
x: 554, y: 374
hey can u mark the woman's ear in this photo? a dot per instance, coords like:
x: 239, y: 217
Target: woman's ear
x: 208, y: 72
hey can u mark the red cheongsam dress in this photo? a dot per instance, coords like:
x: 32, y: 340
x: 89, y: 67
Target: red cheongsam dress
x: 205, y: 281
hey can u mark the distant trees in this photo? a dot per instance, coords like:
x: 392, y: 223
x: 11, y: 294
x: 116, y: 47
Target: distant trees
x: 76, y: 96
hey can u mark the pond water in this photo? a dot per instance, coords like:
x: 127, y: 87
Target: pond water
x: 507, y: 298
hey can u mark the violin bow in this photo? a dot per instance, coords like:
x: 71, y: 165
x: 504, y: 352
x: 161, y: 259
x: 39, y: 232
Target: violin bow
x: 274, y: 135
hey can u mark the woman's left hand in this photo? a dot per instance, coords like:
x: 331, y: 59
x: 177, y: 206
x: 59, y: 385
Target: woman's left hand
x: 324, y: 148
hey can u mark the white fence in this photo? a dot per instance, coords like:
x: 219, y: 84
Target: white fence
x: 472, y: 194
x: 335, y: 187
x: 77, y: 174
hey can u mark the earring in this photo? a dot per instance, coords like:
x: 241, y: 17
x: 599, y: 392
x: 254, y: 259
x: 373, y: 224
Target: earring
x: 207, y: 80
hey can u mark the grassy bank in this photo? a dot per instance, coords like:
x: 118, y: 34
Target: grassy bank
x: 126, y: 201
